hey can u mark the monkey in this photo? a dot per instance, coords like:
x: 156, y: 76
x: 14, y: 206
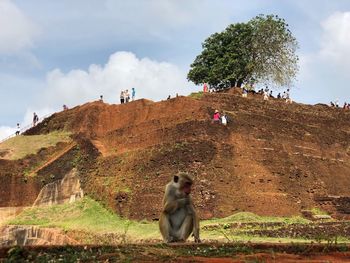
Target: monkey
x: 178, y: 218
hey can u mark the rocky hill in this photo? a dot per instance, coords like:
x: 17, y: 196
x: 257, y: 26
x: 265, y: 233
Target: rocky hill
x: 272, y: 158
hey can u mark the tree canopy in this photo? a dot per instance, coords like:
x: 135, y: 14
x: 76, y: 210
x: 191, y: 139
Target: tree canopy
x: 263, y: 50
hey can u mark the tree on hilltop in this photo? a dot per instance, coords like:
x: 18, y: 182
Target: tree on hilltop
x: 263, y: 50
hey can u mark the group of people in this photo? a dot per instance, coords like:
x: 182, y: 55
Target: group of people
x: 335, y: 104
x: 220, y: 118
x: 206, y: 88
x: 267, y: 93
x: 34, y: 123
x: 125, y: 96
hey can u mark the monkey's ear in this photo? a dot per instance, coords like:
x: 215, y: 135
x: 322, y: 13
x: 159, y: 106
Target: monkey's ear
x: 176, y: 178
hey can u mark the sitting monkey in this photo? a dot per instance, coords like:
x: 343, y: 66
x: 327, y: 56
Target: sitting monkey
x: 178, y: 218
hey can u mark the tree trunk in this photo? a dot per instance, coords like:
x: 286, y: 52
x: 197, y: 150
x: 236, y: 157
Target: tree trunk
x: 239, y: 83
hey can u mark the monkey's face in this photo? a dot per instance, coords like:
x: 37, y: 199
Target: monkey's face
x: 187, y: 188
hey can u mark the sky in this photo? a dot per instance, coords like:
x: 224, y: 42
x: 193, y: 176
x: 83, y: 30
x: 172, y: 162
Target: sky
x: 72, y: 51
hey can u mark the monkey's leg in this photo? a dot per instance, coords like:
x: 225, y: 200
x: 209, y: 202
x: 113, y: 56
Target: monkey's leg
x: 165, y: 228
x: 186, y: 228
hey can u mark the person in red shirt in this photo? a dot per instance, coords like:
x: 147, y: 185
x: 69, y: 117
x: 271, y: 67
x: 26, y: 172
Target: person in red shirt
x: 205, y: 87
x: 216, y: 117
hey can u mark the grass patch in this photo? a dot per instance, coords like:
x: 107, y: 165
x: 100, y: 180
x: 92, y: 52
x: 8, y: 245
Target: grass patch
x: 318, y: 211
x: 196, y: 95
x: 87, y: 215
x: 247, y: 217
x: 20, y: 146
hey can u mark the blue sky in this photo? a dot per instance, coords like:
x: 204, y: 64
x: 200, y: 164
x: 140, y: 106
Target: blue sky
x: 71, y: 51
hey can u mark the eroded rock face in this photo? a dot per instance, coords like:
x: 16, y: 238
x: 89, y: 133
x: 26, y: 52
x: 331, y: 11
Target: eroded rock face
x: 62, y: 191
x: 32, y: 235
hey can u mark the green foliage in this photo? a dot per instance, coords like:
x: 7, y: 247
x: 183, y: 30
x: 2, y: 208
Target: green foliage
x: 261, y: 50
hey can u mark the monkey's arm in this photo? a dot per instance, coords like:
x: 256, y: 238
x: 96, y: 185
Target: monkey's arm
x: 172, y: 202
x: 172, y: 205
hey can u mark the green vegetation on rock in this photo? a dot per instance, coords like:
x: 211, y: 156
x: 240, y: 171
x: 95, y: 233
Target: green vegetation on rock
x: 19, y: 147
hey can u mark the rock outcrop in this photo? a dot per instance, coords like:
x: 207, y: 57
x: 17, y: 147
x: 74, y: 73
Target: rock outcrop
x: 62, y: 191
x: 33, y: 235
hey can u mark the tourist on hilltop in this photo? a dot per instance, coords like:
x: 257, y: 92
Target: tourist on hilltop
x: 133, y: 93
x: 216, y: 116
x: 205, y: 88
x: 288, y: 99
x: 244, y: 93
x: 270, y: 95
x: 126, y: 96
x: 122, y: 97
x: 168, y: 98
x: 266, y: 96
x: 35, y: 119
x: 266, y: 89
x: 336, y: 103
x: 224, y: 119
x: 101, y: 98
x: 279, y: 95
x: 18, y: 129
x: 65, y: 107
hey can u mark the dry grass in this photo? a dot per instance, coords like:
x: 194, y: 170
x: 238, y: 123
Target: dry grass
x: 20, y: 146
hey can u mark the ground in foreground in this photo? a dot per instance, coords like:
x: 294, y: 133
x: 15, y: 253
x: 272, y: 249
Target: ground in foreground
x: 189, y: 252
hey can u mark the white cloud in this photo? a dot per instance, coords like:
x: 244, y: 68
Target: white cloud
x: 6, y: 131
x: 151, y: 79
x: 335, y: 44
x: 17, y: 31
x: 324, y: 71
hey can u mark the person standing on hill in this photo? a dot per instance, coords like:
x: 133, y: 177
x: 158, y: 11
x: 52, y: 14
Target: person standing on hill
x: 126, y: 96
x: 288, y: 99
x: 122, y: 97
x: 337, y: 103
x: 266, y: 95
x: 244, y: 93
x: 133, y: 92
x: 35, y: 119
x: 205, y: 88
x: 18, y: 129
